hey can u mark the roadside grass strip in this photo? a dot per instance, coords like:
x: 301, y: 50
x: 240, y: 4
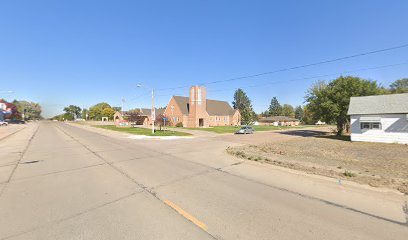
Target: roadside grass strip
x: 143, y: 131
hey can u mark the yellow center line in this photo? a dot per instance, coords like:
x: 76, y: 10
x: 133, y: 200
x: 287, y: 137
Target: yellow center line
x: 187, y: 215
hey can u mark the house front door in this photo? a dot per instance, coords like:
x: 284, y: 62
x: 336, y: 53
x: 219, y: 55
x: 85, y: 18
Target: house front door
x: 201, y: 122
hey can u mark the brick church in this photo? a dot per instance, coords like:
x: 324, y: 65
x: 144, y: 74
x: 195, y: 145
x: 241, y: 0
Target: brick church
x: 198, y: 111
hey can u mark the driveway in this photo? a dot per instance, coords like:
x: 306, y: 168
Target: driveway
x: 270, y: 136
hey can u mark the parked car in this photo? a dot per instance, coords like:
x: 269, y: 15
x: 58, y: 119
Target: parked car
x: 245, y: 130
x: 2, y: 123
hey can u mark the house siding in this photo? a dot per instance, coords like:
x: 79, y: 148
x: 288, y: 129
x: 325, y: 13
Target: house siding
x: 394, y: 129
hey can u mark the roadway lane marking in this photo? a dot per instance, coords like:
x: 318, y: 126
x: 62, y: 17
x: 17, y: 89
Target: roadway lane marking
x: 187, y: 215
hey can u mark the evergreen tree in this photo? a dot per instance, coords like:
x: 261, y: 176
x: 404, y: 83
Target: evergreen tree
x: 299, y: 113
x: 243, y: 104
x: 275, y: 109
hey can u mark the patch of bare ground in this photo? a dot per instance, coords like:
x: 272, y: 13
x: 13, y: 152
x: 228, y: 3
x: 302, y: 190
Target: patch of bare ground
x: 375, y: 164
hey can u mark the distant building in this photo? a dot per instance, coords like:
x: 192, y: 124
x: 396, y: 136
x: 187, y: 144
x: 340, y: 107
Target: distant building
x: 198, y: 111
x: 8, y: 110
x: 145, y: 115
x: 382, y: 118
x: 279, y: 121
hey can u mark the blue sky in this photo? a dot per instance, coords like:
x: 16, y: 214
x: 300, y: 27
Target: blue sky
x: 84, y: 52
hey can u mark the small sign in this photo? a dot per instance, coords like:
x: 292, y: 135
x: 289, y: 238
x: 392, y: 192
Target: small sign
x: 153, y: 114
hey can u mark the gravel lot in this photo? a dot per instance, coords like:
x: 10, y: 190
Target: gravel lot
x: 376, y: 164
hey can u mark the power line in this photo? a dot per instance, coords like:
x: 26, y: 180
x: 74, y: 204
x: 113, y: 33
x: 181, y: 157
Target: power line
x: 296, y: 79
x: 296, y: 67
x: 317, y: 76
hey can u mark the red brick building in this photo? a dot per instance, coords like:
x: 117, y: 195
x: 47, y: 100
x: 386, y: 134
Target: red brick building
x: 198, y: 111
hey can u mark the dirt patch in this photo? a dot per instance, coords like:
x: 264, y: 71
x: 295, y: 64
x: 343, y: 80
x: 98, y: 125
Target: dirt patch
x: 376, y: 164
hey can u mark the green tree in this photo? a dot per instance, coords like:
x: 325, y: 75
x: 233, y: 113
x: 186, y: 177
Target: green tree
x: 308, y: 116
x: 84, y: 113
x: 95, y: 112
x: 288, y: 110
x: 31, y: 110
x: 330, y: 102
x: 399, y: 86
x: 108, y: 112
x: 117, y: 109
x: 243, y: 104
x: 275, y: 109
x: 299, y: 113
x: 73, y: 110
x: 63, y: 117
x: 264, y: 114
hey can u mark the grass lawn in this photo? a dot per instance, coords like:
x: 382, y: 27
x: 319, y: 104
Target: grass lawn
x: 232, y: 129
x: 142, y: 131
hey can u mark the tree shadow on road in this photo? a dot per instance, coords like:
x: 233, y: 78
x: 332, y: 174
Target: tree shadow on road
x: 304, y: 133
x: 335, y: 137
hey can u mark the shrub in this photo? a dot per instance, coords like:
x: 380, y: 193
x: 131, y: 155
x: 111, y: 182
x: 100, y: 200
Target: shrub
x: 179, y: 124
x: 348, y: 174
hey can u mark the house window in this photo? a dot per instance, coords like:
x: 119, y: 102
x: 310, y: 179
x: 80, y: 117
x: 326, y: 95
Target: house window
x: 365, y: 125
x: 371, y: 125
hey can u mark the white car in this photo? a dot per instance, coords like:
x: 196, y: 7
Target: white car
x: 245, y: 130
x: 2, y: 123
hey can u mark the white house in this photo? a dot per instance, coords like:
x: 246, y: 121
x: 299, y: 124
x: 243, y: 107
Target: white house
x: 382, y: 118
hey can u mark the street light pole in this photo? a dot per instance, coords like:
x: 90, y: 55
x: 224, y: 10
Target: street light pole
x: 153, y: 113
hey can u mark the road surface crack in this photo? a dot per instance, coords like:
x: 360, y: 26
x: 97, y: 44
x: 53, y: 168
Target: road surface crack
x: 144, y: 188
x: 6, y: 183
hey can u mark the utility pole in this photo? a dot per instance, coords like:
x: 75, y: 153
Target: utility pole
x: 153, y: 112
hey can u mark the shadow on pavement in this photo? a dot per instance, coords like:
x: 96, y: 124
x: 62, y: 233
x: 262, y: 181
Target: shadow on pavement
x: 304, y: 133
x: 335, y: 137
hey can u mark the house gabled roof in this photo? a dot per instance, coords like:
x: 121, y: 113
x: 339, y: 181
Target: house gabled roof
x: 214, y: 107
x: 182, y: 103
x: 379, y: 104
x: 146, y: 111
x: 219, y: 108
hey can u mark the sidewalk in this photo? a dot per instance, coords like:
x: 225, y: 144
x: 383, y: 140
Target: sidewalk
x: 386, y: 204
x: 11, y: 129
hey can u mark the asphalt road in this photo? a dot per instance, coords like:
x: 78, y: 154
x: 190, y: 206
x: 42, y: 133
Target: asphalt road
x: 59, y: 181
